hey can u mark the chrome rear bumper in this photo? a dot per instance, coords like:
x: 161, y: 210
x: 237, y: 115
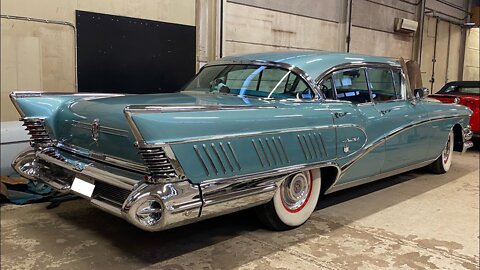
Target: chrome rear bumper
x: 151, y: 207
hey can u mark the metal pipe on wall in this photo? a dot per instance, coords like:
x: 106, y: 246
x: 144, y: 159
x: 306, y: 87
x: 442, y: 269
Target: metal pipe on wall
x: 349, y: 31
x: 420, y: 37
x: 37, y: 20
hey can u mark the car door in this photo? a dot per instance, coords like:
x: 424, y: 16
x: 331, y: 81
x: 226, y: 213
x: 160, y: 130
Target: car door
x: 406, y: 140
x: 358, y: 125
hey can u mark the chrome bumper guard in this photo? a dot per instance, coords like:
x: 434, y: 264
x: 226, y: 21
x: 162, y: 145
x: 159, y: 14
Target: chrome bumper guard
x: 151, y: 207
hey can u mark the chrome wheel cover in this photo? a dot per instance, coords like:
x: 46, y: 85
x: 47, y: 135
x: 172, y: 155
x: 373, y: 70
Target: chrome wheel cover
x: 295, y: 191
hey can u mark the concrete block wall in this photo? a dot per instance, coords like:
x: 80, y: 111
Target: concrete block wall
x: 472, y: 55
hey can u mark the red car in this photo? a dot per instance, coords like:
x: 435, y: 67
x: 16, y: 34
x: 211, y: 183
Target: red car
x: 465, y: 93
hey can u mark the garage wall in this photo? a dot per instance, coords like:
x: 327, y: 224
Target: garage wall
x: 254, y: 25
x: 40, y: 56
x: 442, y: 53
x: 373, y: 24
x: 472, y: 55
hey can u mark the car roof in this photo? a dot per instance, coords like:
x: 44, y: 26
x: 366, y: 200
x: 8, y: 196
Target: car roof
x: 313, y: 63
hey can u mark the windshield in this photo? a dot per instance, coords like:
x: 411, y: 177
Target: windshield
x: 251, y: 80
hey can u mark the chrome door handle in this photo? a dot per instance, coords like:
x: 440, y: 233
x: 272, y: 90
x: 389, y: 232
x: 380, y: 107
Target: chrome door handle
x: 340, y: 114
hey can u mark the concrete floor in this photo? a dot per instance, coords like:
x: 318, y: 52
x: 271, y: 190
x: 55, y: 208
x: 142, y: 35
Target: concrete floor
x: 414, y: 220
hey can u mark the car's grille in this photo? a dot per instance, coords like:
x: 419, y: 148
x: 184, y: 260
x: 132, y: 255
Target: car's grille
x: 157, y: 162
x: 38, y: 132
x: 111, y: 193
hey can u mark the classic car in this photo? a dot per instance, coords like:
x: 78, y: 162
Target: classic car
x: 466, y: 93
x: 270, y: 130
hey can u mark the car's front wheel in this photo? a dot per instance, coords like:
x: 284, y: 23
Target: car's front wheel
x: 444, y: 161
x: 293, y: 202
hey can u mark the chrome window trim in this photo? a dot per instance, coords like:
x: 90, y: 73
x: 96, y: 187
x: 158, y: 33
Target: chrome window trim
x: 296, y: 70
x: 393, y: 80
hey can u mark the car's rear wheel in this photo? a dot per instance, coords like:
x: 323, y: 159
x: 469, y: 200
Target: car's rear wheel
x: 293, y: 202
x: 444, y: 161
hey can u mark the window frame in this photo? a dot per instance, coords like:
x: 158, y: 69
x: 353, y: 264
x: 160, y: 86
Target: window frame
x: 393, y: 81
x: 363, y: 69
x: 317, y: 95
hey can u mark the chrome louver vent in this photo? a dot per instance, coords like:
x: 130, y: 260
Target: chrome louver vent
x: 38, y: 133
x: 157, y: 162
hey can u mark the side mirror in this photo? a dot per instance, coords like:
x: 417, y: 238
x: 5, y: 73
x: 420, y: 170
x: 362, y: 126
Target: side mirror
x: 421, y: 93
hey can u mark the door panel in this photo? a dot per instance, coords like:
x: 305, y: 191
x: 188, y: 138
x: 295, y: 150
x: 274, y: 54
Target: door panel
x: 406, y: 141
x: 367, y: 117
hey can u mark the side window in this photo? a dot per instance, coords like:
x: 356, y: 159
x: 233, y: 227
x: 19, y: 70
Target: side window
x: 381, y: 84
x: 399, y: 83
x: 351, y: 85
x: 327, y: 88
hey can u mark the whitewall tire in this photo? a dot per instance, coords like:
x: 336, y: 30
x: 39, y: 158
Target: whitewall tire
x: 293, y: 202
x: 444, y: 161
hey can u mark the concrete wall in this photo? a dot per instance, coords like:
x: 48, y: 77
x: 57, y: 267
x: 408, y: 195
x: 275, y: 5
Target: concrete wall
x: 441, y: 54
x: 254, y: 25
x: 40, y: 56
x: 472, y: 55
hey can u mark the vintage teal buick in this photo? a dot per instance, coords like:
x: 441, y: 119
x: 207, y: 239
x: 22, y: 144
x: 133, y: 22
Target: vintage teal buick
x: 271, y: 130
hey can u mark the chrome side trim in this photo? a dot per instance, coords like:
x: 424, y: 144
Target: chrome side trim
x: 92, y: 170
x: 283, y: 149
x: 226, y: 156
x: 274, y: 172
x: 153, y: 108
x: 195, y: 148
x: 365, y: 180
x: 234, y: 156
x: 115, y: 161
x: 258, y: 153
x: 373, y: 145
x: 260, y: 133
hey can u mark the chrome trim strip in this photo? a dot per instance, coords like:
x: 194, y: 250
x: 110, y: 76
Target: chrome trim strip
x: 356, y: 65
x: 201, y: 160
x: 371, y: 146
x: 283, y: 149
x: 210, y: 158
x: 228, y: 158
x: 301, y: 146
x: 258, y: 133
x: 258, y: 153
x: 365, y: 180
x: 277, y: 151
x: 91, y: 171
x: 264, y: 152
x: 276, y: 171
x: 315, y: 147
x: 152, y: 108
x: 218, y: 157
x: 296, y: 70
x: 271, y: 151
x: 307, y: 146
x: 234, y: 156
x: 115, y: 161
